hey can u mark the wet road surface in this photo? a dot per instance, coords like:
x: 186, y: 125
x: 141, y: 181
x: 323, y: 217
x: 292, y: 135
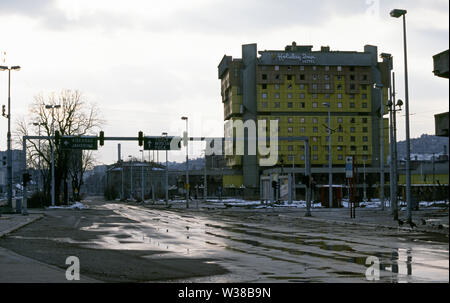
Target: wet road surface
x: 121, y: 242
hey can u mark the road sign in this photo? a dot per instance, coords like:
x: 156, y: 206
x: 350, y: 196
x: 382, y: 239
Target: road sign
x: 79, y: 143
x: 349, y: 167
x: 162, y: 143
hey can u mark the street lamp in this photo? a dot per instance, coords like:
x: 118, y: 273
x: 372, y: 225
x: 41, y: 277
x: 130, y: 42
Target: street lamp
x: 52, y: 107
x: 330, y: 174
x: 396, y: 13
x: 167, y: 174
x: 379, y: 86
x: 8, y: 136
x: 131, y: 177
x: 187, y: 163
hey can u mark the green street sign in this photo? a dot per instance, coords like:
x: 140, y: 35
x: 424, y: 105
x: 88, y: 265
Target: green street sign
x: 162, y: 143
x: 78, y: 143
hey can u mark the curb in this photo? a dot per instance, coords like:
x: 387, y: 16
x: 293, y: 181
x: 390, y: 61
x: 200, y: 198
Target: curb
x: 20, y: 225
x: 373, y: 225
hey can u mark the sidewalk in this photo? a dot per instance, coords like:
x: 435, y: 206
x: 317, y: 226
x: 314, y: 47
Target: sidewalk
x: 15, y: 268
x: 434, y: 220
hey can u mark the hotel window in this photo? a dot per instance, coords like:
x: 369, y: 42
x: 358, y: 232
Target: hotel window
x: 315, y: 129
x: 302, y: 67
x: 314, y: 86
x: 290, y: 120
x: 364, y: 129
x: 365, y: 139
x: 315, y: 148
x: 289, y: 105
x: 364, y: 120
x: 277, y: 104
x: 340, y: 119
x: 277, y: 95
x: 363, y: 86
x: 277, y: 77
x: 289, y: 95
x: 302, y: 157
x: 327, y: 68
x: 352, y: 129
x: 339, y: 77
x: 289, y: 86
x: 339, y: 68
x: 315, y: 157
x: 314, y: 104
x: 364, y: 96
x: 339, y: 104
x: 339, y: 96
x: 302, y: 77
x: 327, y: 157
x: 315, y: 139
x: 352, y: 68
x: 289, y: 67
x: 314, y: 96
x: 290, y: 157
x: 276, y: 86
x: 365, y: 157
x: 339, y: 86
x: 327, y: 96
x: 315, y: 77
x: 365, y: 148
x: 352, y: 104
x: 352, y: 86
x: 264, y: 76
x: 351, y: 96
x: 302, y: 129
x: 290, y: 147
x: 327, y: 86
x: 289, y: 77
x: 302, y: 86
x: 352, y: 120
x: 339, y: 147
x: 277, y: 67
x: 364, y: 77
x: 264, y: 96
x: 302, y: 120
x: 340, y: 157
x: 352, y: 138
x: 290, y: 129
x: 327, y: 77
x: 340, y: 129
x: 353, y: 148
x: 364, y: 105
x: 302, y: 104
x: 315, y: 120
x: 264, y: 104
x: 314, y: 67
x: 352, y: 77
x: 264, y: 86
x: 340, y: 139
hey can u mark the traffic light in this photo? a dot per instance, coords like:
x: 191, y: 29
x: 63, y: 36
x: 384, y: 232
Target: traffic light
x: 26, y: 177
x: 102, y: 138
x: 4, y: 111
x: 57, y: 137
x: 141, y: 138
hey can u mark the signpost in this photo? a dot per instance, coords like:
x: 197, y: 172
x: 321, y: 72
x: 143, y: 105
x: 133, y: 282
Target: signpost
x: 350, y: 175
x: 79, y: 142
x: 162, y: 143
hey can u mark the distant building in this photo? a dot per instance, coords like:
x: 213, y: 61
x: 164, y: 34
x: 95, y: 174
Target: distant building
x: 440, y: 69
x: 291, y: 86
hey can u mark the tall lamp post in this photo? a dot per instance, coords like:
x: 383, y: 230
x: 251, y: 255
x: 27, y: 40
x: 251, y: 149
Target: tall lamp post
x: 52, y: 107
x: 131, y: 177
x: 142, y: 175
x: 187, y: 162
x: 8, y: 116
x: 330, y: 174
x: 167, y: 174
x: 397, y: 13
x: 380, y: 88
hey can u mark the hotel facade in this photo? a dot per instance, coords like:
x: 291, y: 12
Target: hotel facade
x: 295, y: 86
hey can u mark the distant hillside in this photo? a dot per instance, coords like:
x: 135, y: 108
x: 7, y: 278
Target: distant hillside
x: 425, y: 144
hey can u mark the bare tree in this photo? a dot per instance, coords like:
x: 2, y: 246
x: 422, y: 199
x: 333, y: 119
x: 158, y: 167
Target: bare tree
x: 75, y: 117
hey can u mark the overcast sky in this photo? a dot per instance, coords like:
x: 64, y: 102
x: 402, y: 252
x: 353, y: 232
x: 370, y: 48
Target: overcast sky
x: 147, y: 63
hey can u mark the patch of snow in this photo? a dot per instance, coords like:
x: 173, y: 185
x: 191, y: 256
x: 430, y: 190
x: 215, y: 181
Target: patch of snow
x: 76, y: 205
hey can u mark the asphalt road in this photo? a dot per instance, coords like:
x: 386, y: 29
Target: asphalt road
x: 118, y: 242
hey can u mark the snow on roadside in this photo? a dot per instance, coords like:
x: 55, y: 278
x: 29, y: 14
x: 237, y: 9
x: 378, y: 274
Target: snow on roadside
x: 76, y: 205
